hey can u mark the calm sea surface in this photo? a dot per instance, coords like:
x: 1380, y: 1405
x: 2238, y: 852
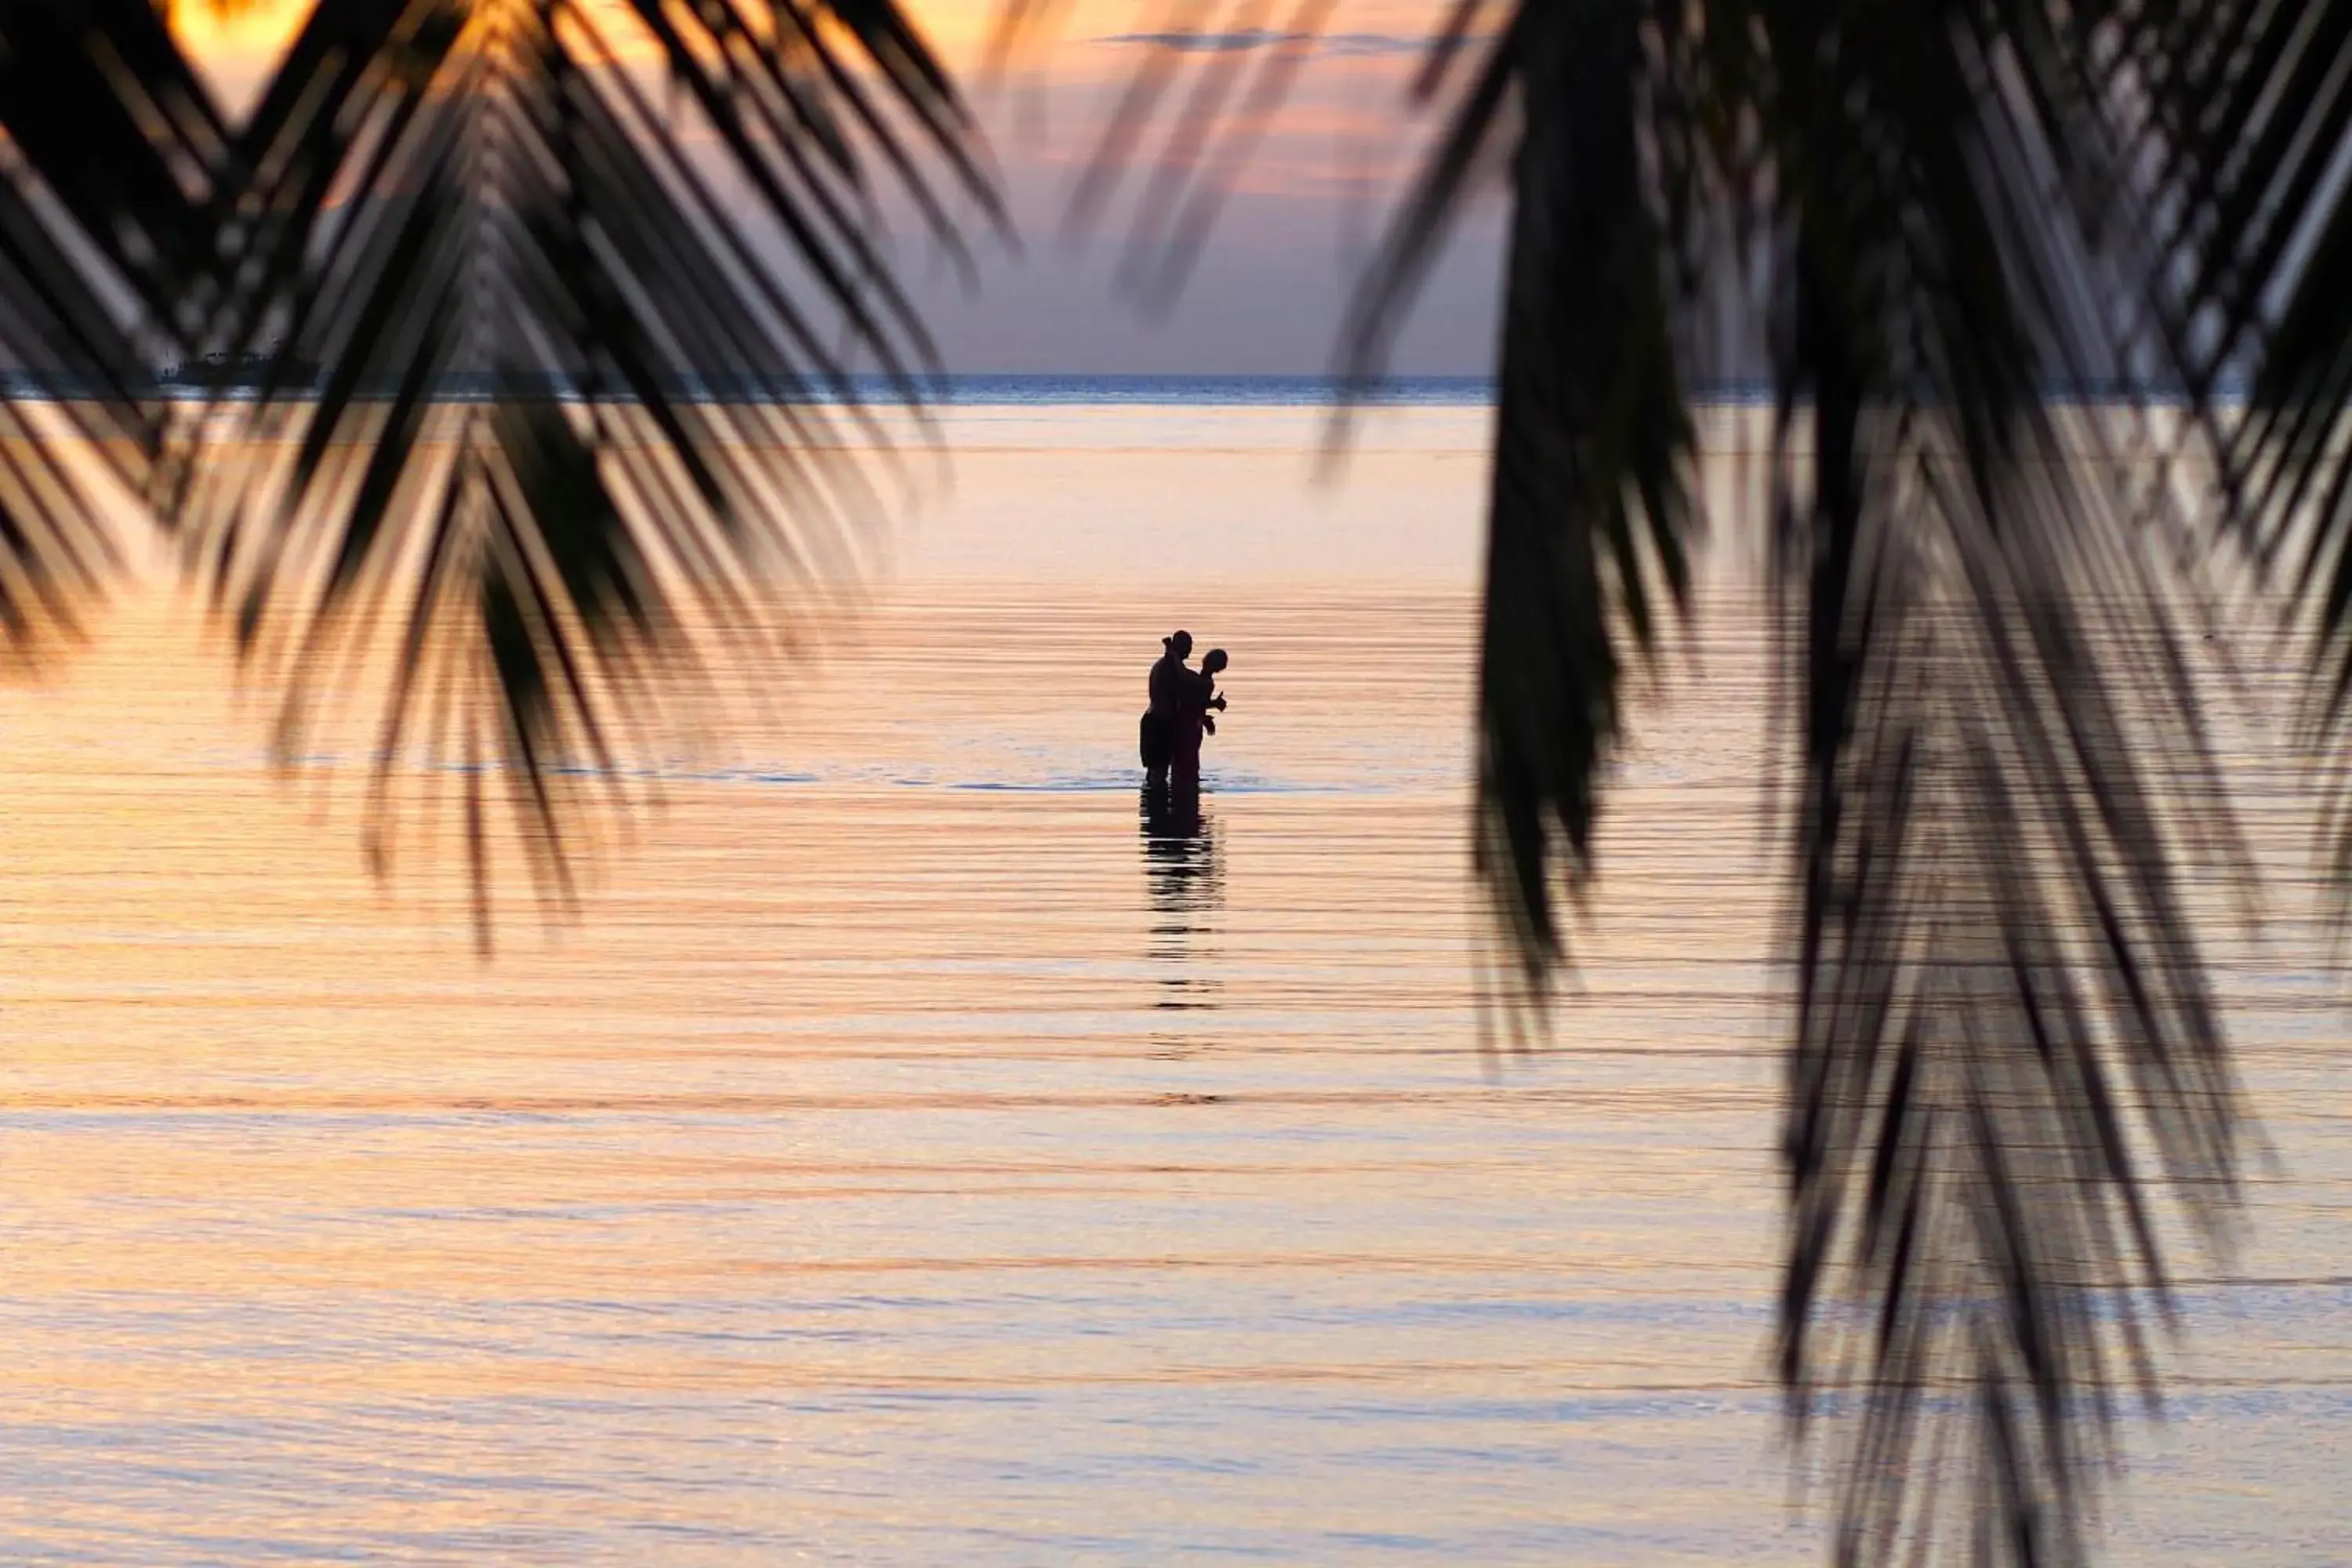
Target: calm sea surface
x: 906, y: 1159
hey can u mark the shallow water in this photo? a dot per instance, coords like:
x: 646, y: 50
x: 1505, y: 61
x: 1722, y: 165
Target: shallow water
x: 907, y: 1158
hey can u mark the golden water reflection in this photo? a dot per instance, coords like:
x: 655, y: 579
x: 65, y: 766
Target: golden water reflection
x: 921, y: 1151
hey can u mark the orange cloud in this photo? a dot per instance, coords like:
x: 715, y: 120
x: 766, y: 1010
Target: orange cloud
x: 226, y: 33
x: 218, y: 33
x: 1346, y: 122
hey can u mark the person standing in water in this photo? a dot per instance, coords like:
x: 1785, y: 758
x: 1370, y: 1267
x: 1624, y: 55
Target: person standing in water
x: 1171, y: 683
x: 1192, y: 721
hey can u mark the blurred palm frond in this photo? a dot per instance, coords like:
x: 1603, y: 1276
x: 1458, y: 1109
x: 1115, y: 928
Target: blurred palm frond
x: 2257, y: 192
x: 109, y: 145
x: 563, y: 323
x: 1942, y: 237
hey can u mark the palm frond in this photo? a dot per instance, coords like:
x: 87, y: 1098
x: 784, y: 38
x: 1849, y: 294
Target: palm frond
x: 580, y: 382
x: 1944, y: 226
x: 2005, y: 1035
x: 109, y: 146
x: 2262, y: 225
x: 1589, y: 517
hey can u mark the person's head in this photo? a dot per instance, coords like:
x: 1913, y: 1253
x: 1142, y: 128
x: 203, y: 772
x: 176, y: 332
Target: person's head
x: 1180, y: 645
x: 1213, y: 660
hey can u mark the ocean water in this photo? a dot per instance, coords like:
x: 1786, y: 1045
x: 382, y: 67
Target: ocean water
x: 909, y: 1157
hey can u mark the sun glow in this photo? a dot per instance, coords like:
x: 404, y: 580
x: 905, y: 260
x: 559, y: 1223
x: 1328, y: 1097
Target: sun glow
x: 209, y: 28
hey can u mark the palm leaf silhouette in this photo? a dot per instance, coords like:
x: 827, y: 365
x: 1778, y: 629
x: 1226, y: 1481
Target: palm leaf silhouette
x: 580, y: 385
x: 2261, y: 226
x: 106, y: 166
x: 1933, y: 230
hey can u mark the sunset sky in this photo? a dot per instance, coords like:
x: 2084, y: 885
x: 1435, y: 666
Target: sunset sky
x: 1268, y: 296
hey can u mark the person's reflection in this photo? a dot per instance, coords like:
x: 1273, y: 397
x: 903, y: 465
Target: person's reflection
x: 1187, y: 888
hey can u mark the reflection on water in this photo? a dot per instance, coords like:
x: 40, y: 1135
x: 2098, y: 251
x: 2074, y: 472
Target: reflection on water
x: 923, y: 1151
x: 1187, y: 882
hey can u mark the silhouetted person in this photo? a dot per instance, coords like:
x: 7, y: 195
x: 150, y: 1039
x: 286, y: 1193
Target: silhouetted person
x: 1171, y: 685
x: 1199, y: 695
